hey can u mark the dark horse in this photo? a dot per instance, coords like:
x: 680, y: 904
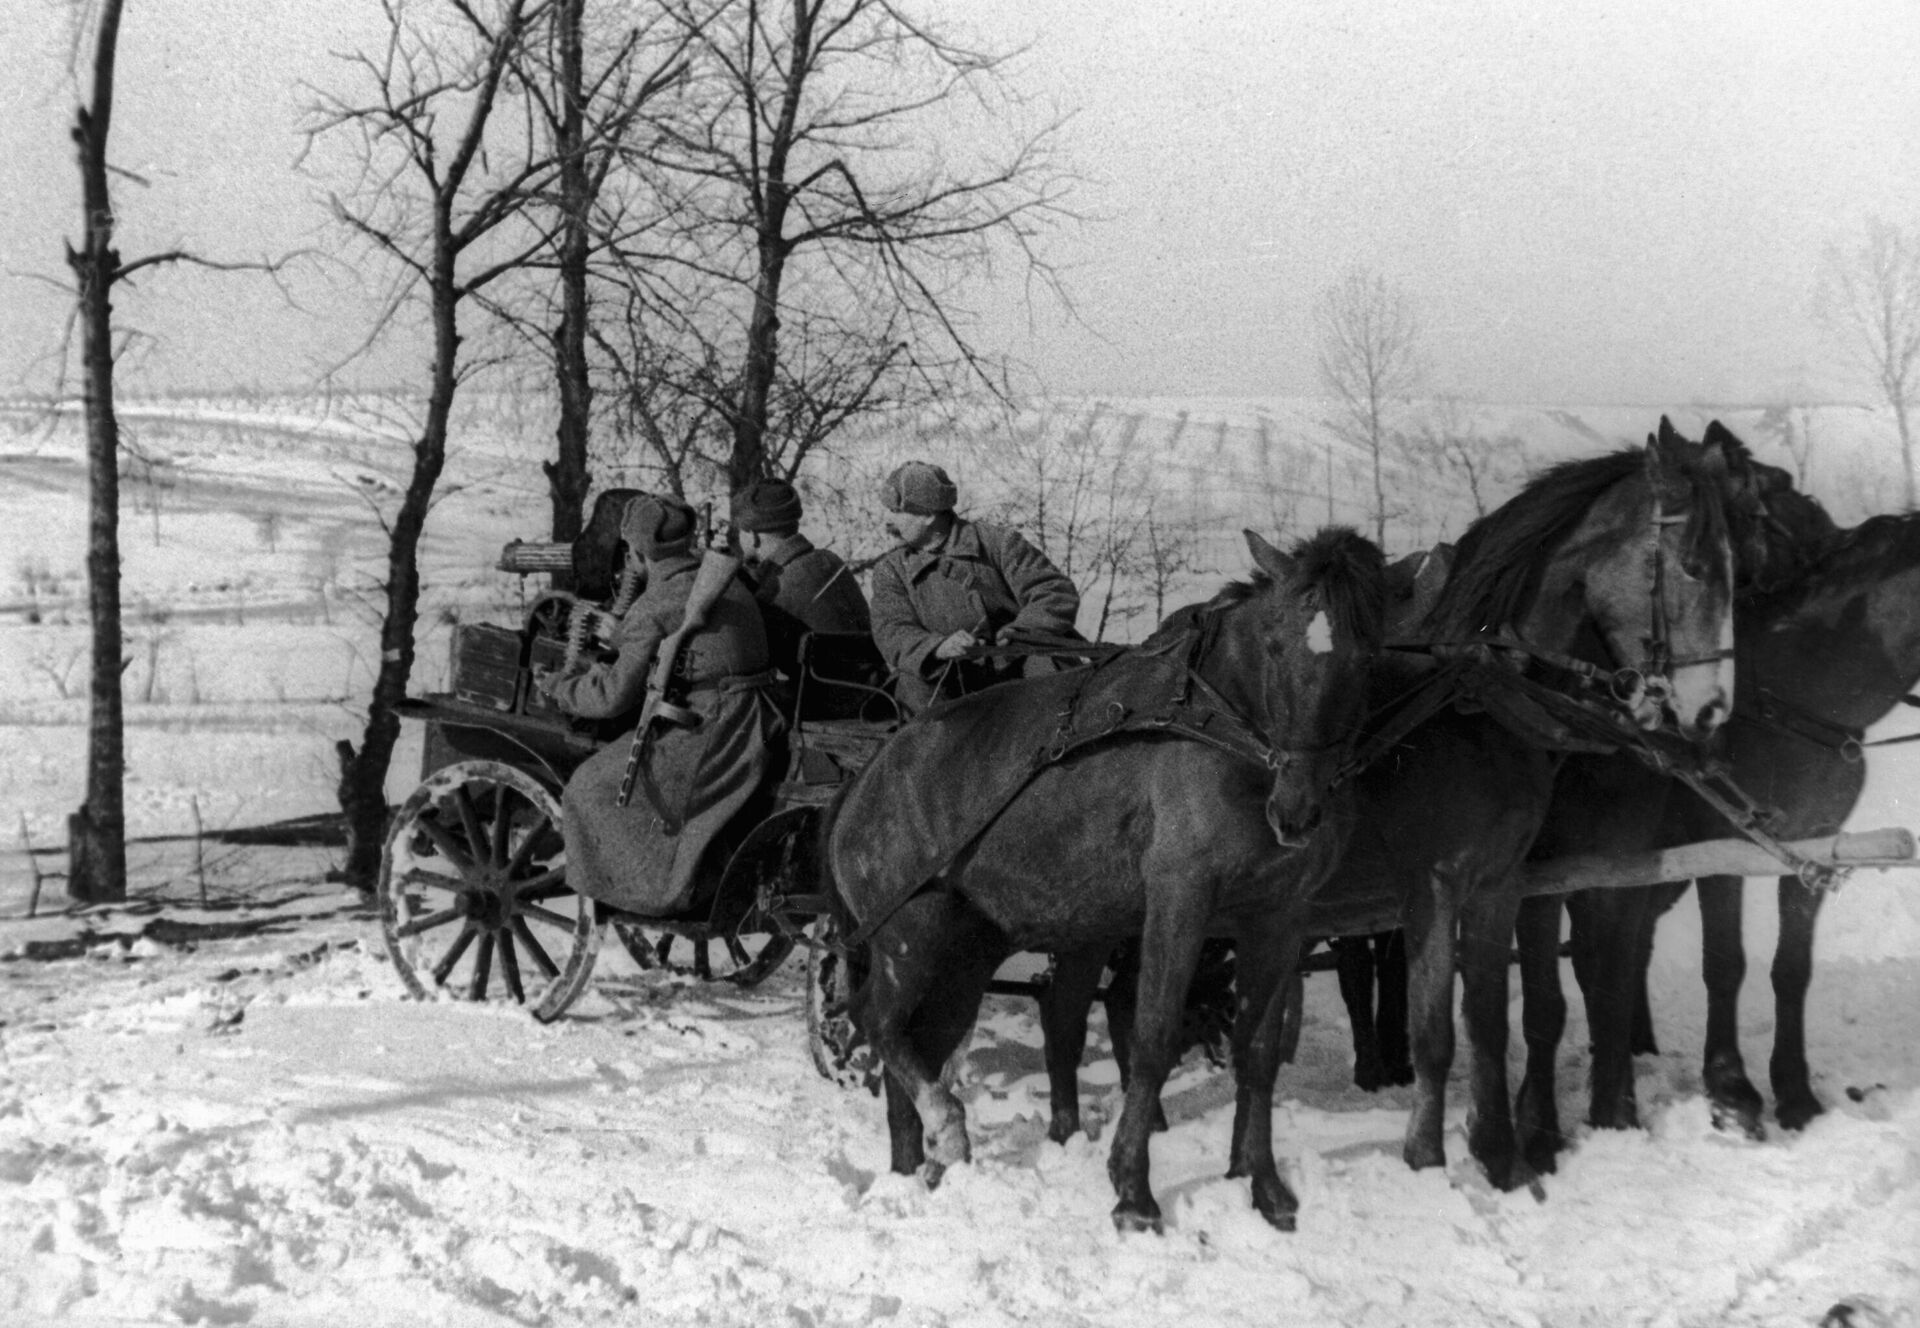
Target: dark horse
x: 1621, y: 561
x: 1166, y: 836
x: 1824, y: 651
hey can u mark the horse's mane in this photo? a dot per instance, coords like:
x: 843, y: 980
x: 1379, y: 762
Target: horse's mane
x: 1500, y: 560
x: 1778, y: 532
x: 1344, y: 567
x: 1859, y: 555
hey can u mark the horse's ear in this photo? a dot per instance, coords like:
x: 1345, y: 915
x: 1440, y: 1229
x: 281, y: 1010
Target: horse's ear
x: 1267, y: 558
x: 1665, y: 449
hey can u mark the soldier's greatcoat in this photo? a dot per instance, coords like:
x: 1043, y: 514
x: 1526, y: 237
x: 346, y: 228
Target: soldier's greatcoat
x: 980, y: 579
x: 644, y: 856
x: 804, y: 589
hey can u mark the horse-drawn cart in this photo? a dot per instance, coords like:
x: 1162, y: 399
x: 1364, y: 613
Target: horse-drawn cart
x: 473, y: 889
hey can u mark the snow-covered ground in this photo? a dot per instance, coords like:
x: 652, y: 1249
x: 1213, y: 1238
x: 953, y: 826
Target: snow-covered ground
x: 231, y: 1113
x: 263, y: 1130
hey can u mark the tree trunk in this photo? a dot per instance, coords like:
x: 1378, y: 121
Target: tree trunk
x: 568, y: 478
x: 363, y: 773
x: 1906, y: 449
x: 97, y: 832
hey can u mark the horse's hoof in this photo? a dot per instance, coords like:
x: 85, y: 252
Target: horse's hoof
x: 1276, y: 1203
x: 931, y: 1174
x: 1369, y: 1076
x: 1542, y: 1154
x: 1796, y: 1113
x: 1126, y: 1220
x: 1739, y: 1118
x: 1399, y: 1076
x: 1423, y: 1153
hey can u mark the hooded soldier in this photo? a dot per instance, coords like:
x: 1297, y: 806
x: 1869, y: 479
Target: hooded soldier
x: 800, y: 588
x: 952, y: 585
x: 691, y: 779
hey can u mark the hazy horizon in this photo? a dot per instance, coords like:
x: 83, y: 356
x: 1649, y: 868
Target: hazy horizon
x: 1588, y: 207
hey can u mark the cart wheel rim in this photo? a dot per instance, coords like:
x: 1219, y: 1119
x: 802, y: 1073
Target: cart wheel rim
x: 473, y: 893
x: 840, y: 1050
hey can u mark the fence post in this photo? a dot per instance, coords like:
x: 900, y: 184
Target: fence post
x: 26, y: 842
x: 199, y: 850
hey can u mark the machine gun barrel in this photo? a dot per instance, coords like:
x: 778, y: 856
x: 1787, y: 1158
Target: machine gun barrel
x: 530, y: 556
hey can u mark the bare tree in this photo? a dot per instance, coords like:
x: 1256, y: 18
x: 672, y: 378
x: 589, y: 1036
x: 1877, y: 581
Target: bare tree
x: 814, y: 220
x: 96, y: 833
x: 586, y: 86
x: 1869, y: 298
x: 1369, y: 359
x: 1448, y: 439
x: 1790, y: 420
x: 443, y: 197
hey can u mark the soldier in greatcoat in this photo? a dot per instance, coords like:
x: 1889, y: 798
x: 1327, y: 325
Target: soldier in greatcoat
x: 800, y: 587
x: 951, y: 585
x: 692, y: 780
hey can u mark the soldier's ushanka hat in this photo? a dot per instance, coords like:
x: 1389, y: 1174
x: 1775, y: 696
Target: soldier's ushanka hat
x: 919, y: 487
x: 768, y: 505
x: 657, y: 525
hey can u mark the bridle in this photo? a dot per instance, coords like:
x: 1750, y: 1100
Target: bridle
x: 1650, y: 683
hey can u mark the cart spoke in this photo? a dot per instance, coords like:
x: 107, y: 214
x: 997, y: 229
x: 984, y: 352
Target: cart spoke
x: 737, y: 951
x: 549, y: 884
x: 470, y: 821
x: 548, y: 916
x: 450, y: 848
x: 502, y: 826
x: 433, y: 880
x: 452, y: 956
x: 429, y: 921
x: 510, y: 969
x: 523, y: 854
x: 533, y: 947
x: 482, y: 968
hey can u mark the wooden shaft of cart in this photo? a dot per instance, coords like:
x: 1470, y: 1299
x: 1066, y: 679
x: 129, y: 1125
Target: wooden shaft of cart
x: 1892, y: 847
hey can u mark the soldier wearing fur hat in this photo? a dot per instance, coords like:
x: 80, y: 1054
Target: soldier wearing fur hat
x: 952, y: 584
x: 801, y: 588
x: 646, y: 856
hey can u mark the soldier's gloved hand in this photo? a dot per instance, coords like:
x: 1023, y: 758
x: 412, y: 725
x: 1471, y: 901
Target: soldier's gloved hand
x: 1006, y: 636
x: 956, y: 645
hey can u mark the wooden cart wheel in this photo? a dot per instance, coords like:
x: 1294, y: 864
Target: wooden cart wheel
x: 840, y: 1051
x: 745, y: 957
x: 473, y: 892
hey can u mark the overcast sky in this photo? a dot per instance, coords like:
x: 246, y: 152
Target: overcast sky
x: 1587, y: 203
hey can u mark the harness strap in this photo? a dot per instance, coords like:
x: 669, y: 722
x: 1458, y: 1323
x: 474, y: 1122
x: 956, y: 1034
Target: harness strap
x: 1790, y: 717
x: 1212, y: 720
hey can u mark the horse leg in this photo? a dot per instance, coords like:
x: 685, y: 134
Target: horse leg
x: 1641, y: 1039
x: 1064, y: 1004
x: 1353, y: 962
x: 906, y: 965
x: 1486, y: 942
x: 1390, y: 1023
x: 1123, y: 994
x: 1735, y: 1102
x: 1612, y: 947
x: 1543, y: 1021
x: 1169, y: 953
x: 1266, y: 965
x: 1793, y: 1101
x: 1430, y: 966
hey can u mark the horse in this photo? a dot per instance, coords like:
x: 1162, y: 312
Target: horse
x: 1166, y: 834
x: 1622, y: 559
x: 1825, y: 652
